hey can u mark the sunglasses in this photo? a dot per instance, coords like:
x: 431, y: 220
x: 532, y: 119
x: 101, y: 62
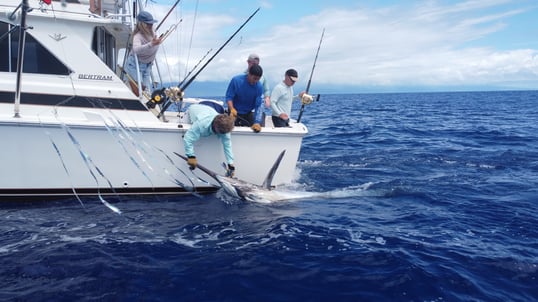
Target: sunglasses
x: 291, y: 79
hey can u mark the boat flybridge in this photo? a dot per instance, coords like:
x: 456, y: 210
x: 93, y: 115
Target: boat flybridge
x: 71, y: 126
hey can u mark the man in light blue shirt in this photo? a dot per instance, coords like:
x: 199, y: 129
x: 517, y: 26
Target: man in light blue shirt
x: 205, y: 121
x: 282, y: 97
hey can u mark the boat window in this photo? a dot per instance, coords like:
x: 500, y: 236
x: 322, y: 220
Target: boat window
x: 104, y: 46
x: 37, y: 59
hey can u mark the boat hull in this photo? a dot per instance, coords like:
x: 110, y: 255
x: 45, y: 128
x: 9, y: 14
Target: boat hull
x: 46, y: 157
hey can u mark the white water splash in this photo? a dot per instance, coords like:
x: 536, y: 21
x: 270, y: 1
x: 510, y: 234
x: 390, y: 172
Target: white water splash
x: 288, y: 194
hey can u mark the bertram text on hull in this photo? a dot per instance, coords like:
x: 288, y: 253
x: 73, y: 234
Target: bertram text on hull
x: 71, y: 126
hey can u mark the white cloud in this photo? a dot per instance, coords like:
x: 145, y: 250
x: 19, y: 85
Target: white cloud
x: 424, y: 45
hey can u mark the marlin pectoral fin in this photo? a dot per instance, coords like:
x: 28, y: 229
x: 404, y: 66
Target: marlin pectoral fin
x: 269, y: 178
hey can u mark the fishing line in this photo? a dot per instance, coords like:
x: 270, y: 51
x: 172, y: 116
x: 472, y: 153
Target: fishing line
x: 167, y: 66
x: 196, y: 176
x: 59, y: 153
x: 139, y: 148
x: 129, y: 133
x: 87, y: 161
x: 178, y: 52
x: 191, y: 38
x: 123, y: 132
x: 121, y: 128
x: 118, y: 138
x: 165, y: 55
x: 200, y: 180
x: 192, y: 187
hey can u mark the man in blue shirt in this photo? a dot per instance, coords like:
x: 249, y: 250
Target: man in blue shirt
x: 244, y: 96
x: 205, y: 121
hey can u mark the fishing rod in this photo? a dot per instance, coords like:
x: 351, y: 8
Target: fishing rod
x: 167, y: 33
x: 216, y: 53
x: 310, y: 79
x: 194, y: 68
x: 158, y: 95
x: 167, y: 14
x: 182, y: 88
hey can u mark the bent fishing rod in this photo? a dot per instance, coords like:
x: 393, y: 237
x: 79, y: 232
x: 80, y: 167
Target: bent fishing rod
x: 182, y: 88
x: 311, y: 74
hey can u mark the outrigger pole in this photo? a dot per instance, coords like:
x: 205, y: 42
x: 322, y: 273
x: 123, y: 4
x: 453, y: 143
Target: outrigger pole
x: 194, y: 68
x: 216, y: 53
x: 167, y: 14
x: 20, y: 56
x: 311, y: 74
x: 182, y: 88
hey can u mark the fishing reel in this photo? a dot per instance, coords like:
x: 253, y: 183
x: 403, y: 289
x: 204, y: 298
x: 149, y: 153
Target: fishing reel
x: 175, y: 94
x: 307, y: 99
x: 159, y: 96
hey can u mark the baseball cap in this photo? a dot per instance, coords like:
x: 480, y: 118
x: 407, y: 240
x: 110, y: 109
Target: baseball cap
x: 292, y: 73
x: 253, y: 57
x: 146, y: 17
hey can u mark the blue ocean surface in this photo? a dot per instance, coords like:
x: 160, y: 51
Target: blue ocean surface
x: 407, y: 197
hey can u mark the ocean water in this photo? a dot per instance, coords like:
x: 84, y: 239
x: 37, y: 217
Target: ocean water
x: 407, y: 197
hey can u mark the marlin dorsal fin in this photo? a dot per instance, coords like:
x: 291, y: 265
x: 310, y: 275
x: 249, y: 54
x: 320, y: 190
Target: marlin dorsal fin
x: 269, y: 178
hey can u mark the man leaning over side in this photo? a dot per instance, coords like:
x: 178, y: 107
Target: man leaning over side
x: 205, y: 121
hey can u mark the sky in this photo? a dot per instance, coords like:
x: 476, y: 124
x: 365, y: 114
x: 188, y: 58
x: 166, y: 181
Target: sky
x: 367, y: 46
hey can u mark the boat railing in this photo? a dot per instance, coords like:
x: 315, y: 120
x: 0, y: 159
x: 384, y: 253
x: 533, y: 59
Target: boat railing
x: 108, y: 9
x: 114, y: 9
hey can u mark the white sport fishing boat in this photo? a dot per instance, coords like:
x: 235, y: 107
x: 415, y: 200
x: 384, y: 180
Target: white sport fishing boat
x: 70, y: 126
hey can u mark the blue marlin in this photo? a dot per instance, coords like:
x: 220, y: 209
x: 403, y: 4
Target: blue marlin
x: 265, y: 193
x: 247, y: 191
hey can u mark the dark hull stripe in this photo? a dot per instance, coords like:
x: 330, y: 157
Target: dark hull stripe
x: 9, y: 195
x: 72, y: 101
